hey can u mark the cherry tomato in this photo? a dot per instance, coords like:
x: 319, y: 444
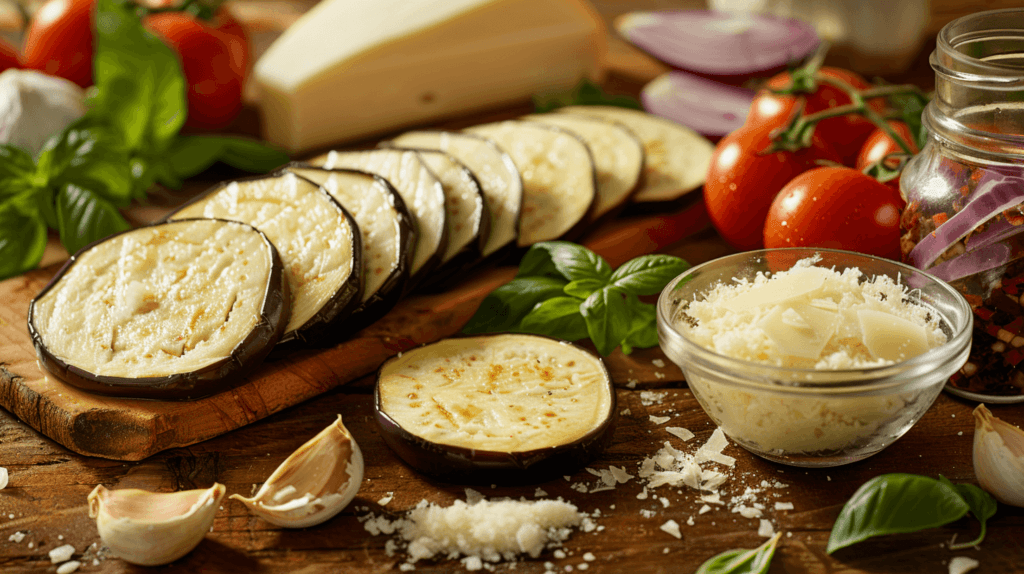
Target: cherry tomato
x: 837, y: 208
x: 879, y: 144
x: 59, y: 40
x: 8, y: 56
x: 213, y: 60
x: 845, y: 134
x: 742, y: 181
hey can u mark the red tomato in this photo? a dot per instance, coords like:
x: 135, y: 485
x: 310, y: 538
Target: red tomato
x: 8, y: 56
x: 742, y: 182
x: 837, y: 208
x: 879, y: 144
x: 59, y: 40
x: 845, y: 134
x: 213, y: 60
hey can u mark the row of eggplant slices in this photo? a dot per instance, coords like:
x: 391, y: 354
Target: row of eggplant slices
x: 312, y: 253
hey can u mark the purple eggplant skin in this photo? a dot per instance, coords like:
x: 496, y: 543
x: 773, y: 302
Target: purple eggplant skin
x: 212, y: 379
x: 322, y: 329
x: 460, y: 465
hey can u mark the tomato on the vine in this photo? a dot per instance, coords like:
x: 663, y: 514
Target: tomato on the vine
x: 742, y: 181
x: 879, y: 144
x: 838, y: 208
x: 59, y: 40
x: 844, y: 134
x: 214, y: 58
x: 8, y: 56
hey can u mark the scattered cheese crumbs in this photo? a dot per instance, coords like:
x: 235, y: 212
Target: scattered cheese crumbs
x: 647, y: 513
x: 487, y: 531
x: 643, y: 494
x: 659, y: 375
x: 713, y: 498
x: 3, y: 478
x: 11, y: 516
x: 589, y: 557
x: 406, y: 567
x: 473, y: 496
x: 658, y: 363
x: 689, y: 521
x: 61, y: 536
x: 672, y: 527
x: 620, y: 474
x: 659, y: 420
x: 747, y: 511
x: 625, y: 412
x: 579, y: 487
x: 766, y: 529
x: 559, y: 554
x: 31, y: 545
x: 648, y: 398
x: 631, y: 383
x: 704, y: 509
x: 783, y: 506
x: 387, y: 498
x: 61, y: 554
x: 68, y: 567
x: 539, y: 493
x: 16, y: 537
x: 583, y: 566
x: 683, y: 434
x: 962, y: 564
x: 664, y: 502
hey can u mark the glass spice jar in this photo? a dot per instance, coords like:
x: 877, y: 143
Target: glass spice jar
x: 964, y: 220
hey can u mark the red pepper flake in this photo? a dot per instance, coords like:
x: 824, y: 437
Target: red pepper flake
x: 983, y: 313
x: 1015, y: 325
x: 939, y: 218
x: 1013, y: 357
x: 992, y: 330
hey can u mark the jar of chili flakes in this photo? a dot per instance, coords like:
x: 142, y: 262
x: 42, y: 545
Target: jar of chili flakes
x: 964, y: 217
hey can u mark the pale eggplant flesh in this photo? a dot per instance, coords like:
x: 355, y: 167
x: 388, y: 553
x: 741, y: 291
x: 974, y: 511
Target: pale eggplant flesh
x: 509, y: 408
x: 317, y: 239
x: 559, y: 179
x: 500, y: 183
x: 387, y: 234
x: 177, y: 310
x: 419, y: 188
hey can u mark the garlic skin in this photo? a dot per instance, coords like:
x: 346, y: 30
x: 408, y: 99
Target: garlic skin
x: 999, y: 457
x: 313, y: 484
x: 150, y: 528
x: 35, y: 106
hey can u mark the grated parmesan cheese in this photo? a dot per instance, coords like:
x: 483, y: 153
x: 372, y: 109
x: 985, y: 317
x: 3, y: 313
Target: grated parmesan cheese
x: 672, y: 527
x: 962, y: 564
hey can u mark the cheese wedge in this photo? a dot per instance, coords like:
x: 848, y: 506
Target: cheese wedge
x: 352, y: 68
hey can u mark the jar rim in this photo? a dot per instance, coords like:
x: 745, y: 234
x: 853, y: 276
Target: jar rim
x: 950, y: 61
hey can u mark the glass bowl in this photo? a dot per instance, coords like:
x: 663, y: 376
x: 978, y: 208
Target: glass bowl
x: 807, y: 417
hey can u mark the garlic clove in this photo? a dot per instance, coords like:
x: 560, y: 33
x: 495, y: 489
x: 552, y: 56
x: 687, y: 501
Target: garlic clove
x: 151, y: 528
x: 313, y: 484
x: 999, y: 457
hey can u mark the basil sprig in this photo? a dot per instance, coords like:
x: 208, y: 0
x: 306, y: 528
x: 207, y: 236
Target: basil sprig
x: 566, y: 291
x: 900, y: 503
x: 742, y: 561
x: 127, y: 141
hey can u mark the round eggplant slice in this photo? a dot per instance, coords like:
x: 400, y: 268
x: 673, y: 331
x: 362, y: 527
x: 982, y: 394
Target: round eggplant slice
x: 176, y: 310
x: 494, y: 169
x: 618, y: 156
x: 387, y: 236
x: 503, y: 408
x: 559, y: 180
x: 465, y: 215
x: 317, y: 239
x: 677, y: 158
x: 419, y: 188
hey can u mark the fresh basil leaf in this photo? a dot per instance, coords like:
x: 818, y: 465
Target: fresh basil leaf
x: 742, y: 561
x: 585, y: 93
x: 643, y: 327
x: 190, y: 155
x: 648, y: 274
x: 982, y: 506
x: 22, y: 239
x: 93, y: 159
x: 570, y: 260
x: 537, y: 263
x: 506, y: 306
x: 558, y: 317
x: 583, y: 288
x: 895, y: 503
x: 17, y: 171
x: 84, y: 217
x: 251, y: 155
x: 607, y: 316
x: 141, y: 88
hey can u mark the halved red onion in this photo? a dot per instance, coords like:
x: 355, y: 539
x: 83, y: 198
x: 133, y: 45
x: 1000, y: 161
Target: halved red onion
x: 988, y: 257
x: 705, y: 106
x: 995, y: 231
x: 719, y: 43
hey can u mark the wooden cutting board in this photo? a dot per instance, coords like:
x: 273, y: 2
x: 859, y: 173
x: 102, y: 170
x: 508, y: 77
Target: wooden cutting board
x: 133, y: 429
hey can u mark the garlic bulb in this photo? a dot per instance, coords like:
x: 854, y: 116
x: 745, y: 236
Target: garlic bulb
x: 150, y: 528
x: 313, y: 484
x: 999, y: 457
x: 35, y: 106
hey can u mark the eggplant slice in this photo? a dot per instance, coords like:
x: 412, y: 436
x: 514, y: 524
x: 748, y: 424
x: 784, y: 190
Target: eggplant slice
x: 495, y: 171
x: 419, y: 188
x: 176, y: 310
x: 677, y: 158
x: 507, y: 407
x: 317, y: 239
x: 386, y: 230
x: 559, y: 180
x: 618, y: 156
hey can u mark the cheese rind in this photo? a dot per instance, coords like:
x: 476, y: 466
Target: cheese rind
x: 377, y: 66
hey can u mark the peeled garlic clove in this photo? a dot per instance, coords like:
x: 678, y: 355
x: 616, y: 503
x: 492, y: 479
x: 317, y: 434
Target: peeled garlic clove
x: 313, y: 484
x: 151, y: 528
x: 999, y: 457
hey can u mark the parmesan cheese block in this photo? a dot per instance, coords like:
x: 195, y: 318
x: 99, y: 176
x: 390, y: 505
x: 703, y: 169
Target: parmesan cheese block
x: 351, y: 68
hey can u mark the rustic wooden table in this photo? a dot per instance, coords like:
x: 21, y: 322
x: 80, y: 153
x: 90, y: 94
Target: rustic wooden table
x: 44, y: 505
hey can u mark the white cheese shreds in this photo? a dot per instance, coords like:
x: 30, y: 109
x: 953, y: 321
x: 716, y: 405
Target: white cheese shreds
x: 648, y: 398
x: 68, y: 567
x: 679, y: 432
x: 61, y: 554
x: 766, y: 529
x: 962, y: 564
x: 659, y: 420
x: 4, y: 478
x: 783, y: 506
x: 704, y: 509
x: 672, y: 527
x: 386, y: 499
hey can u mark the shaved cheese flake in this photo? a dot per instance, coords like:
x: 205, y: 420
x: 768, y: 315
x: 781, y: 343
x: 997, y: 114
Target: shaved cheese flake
x: 680, y: 432
x: 672, y: 527
x: 962, y: 564
x: 659, y: 420
x: 766, y: 529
